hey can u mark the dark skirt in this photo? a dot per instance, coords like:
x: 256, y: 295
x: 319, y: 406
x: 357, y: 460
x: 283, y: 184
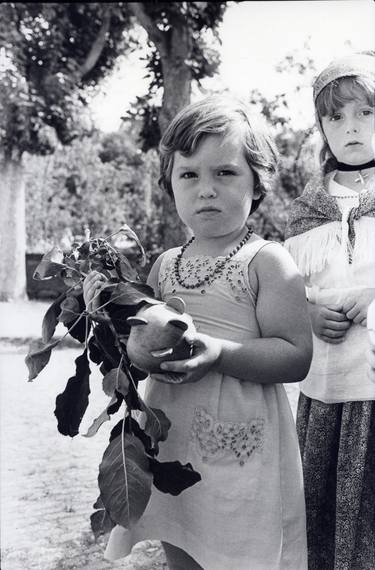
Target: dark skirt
x: 337, y: 444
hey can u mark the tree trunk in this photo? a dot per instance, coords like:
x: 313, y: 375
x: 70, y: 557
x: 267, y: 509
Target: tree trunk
x: 177, y: 79
x: 177, y: 75
x: 175, y: 50
x: 12, y: 230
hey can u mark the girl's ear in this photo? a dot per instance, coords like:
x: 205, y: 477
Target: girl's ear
x: 256, y: 193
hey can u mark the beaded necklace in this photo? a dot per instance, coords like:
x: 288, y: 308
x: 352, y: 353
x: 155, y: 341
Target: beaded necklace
x: 217, y: 270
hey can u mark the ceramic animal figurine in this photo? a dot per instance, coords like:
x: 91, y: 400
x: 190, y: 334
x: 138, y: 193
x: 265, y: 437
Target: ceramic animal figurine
x: 158, y: 333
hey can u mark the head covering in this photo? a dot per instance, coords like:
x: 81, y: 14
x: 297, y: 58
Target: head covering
x: 348, y: 66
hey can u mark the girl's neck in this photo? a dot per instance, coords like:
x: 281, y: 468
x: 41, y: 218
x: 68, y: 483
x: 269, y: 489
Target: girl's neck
x: 217, y: 246
x: 356, y: 180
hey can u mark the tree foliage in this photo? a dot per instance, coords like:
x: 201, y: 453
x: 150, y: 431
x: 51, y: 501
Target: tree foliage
x: 51, y: 53
x: 183, y: 41
x: 52, y: 58
x: 54, y: 54
x: 96, y: 183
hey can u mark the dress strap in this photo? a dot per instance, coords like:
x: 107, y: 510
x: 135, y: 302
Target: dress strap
x: 250, y: 250
x: 248, y: 253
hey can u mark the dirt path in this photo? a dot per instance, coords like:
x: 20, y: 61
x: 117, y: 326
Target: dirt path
x: 48, y: 481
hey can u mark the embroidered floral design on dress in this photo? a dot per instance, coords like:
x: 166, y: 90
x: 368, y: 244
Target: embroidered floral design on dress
x: 213, y: 437
x: 196, y: 268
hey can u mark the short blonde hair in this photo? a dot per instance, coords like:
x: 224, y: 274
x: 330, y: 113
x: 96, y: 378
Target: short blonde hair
x: 220, y: 114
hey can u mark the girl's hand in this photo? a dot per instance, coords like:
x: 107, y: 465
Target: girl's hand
x: 92, y: 286
x: 356, y: 306
x: 206, y: 355
x: 329, y: 322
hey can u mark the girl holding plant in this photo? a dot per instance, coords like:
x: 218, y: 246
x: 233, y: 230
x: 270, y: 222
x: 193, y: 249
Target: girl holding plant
x: 229, y: 410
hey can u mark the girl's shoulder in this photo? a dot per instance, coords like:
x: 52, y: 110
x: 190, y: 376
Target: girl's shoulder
x: 265, y: 260
x: 270, y: 256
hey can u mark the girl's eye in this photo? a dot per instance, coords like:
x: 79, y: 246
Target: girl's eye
x: 188, y: 175
x: 367, y: 112
x: 226, y: 172
x: 335, y: 117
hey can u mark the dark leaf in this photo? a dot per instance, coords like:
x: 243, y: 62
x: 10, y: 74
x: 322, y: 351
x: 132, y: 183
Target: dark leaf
x: 125, y: 482
x: 50, y: 319
x: 78, y: 327
x: 132, y: 398
x: 115, y: 379
x: 72, y: 403
x: 70, y: 310
x: 105, y: 340
x: 125, y: 270
x: 131, y: 293
x: 38, y: 356
x: 113, y: 408
x: 96, y: 354
x: 51, y: 265
x: 157, y: 424
x: 133, y: 427
x: 101, y: 523
x: 173, y: 477
x: 119, y: 314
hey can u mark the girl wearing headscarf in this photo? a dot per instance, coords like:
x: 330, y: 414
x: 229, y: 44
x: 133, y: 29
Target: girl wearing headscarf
x: 331, y: 236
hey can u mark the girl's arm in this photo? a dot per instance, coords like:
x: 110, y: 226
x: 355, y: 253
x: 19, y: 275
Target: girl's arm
x: 284, y: 351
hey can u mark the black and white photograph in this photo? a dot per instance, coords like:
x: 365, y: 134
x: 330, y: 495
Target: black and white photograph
x: 187, y: 285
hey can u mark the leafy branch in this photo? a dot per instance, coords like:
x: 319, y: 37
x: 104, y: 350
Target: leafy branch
x: 129, y: 466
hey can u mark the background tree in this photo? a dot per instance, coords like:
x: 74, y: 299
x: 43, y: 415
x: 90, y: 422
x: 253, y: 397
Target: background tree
x: 183, y: 39
x: 50, y: 52
x: 52, y: 56
x: 98, y: 182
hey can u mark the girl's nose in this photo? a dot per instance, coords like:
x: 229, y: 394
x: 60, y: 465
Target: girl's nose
x: 352, y: 127
x: 207, y: 190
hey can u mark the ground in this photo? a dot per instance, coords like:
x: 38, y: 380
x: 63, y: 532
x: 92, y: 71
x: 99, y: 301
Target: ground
x: 48, y: 481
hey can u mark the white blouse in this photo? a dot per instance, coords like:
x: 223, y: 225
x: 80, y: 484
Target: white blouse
x: 338, y: 372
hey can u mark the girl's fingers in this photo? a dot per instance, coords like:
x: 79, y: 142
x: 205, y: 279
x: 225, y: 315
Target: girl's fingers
x: 169, y: 378
x: 337, y: 316
x: 353, y: 313
x: 337, y: 325
x: 179, y: 366
x: 333, y: 333
x: 330, y: 340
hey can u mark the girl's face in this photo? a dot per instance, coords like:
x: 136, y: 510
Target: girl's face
x: 214, y: 187
x: 350, y: 132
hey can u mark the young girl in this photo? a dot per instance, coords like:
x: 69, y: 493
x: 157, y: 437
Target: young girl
x: 230, y: 416
x: 331, y: 235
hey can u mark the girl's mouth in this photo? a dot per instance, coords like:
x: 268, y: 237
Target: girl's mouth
x: 208, y: 211
x: 353, y: 143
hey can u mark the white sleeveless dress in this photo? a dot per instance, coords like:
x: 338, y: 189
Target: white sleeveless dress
x: 247, y: 512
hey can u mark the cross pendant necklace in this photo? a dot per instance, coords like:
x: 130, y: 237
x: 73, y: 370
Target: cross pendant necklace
x: 361, y: 177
